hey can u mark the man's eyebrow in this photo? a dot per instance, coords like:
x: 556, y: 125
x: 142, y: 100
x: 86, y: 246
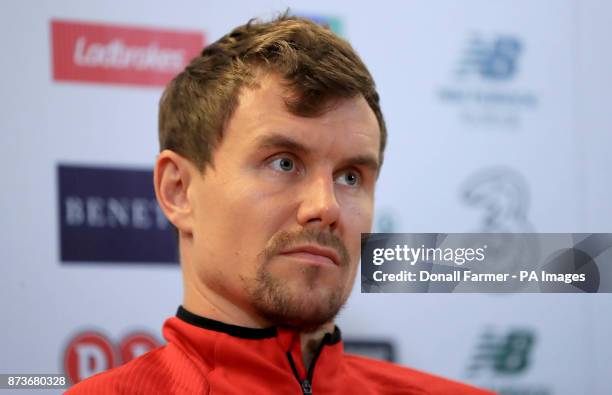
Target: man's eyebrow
x: 280, y: 141
x: 284, y: 142
x: 366, y: 161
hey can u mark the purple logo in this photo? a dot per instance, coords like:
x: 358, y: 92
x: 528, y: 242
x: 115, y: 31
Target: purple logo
x: 110, y: 215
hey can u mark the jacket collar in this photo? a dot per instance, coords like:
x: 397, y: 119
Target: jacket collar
x: 218, y: 326
x: 273, y: 354
x: 244, y: 332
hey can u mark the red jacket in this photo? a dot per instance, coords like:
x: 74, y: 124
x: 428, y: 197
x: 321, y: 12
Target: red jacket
x: 204, y: 356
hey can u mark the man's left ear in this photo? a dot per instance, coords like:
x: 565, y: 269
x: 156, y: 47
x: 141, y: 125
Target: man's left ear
x: 172, y: 177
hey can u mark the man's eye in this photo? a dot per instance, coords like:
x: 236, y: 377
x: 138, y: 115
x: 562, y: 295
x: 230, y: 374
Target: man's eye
x: 283, y: 164
x: 350, y: 178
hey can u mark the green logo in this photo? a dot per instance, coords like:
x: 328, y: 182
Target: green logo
x: 332, y: 22
x: 506, y: 354
x: 386, y: 221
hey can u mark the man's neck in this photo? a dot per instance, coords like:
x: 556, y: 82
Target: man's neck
x: 205, y: 303
x: 311, y: 341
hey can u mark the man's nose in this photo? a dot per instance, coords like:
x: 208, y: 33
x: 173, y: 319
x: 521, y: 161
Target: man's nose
x: 319, y: 206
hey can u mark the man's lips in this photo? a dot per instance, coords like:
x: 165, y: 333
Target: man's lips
x: 314, y: 253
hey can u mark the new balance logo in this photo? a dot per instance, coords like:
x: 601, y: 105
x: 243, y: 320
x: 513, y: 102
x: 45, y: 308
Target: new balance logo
x: 493, y: 60
x: 507, y: 354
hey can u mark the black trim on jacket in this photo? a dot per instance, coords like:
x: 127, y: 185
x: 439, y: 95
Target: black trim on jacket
x: 218, y: 326
x: 242, y: 331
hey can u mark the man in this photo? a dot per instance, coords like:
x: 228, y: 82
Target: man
x: 271, y: 144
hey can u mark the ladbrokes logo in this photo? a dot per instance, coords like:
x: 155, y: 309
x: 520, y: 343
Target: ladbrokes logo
x: 119, y: 54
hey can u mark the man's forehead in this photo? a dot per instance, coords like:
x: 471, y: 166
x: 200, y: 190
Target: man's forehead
x: 263, y: 117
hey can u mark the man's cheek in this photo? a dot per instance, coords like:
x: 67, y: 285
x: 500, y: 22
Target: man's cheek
x: 356, y: 227
x: 359, y: 213
x: 352, y: 243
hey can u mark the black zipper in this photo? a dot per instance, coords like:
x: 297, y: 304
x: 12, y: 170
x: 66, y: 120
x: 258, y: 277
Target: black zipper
x: 306, y: 384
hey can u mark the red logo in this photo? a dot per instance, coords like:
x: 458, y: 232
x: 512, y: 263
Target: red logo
x: 90, y: 353
x: 120, y: 54
x: 87, y: 354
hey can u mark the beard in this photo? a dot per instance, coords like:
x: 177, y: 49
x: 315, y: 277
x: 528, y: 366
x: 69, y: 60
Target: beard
x: 312, y: 306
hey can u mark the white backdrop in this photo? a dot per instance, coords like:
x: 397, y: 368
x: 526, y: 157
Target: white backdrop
x: 530, y: 137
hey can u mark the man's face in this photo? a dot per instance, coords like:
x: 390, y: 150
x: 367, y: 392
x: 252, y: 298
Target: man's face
x: 278, y: 216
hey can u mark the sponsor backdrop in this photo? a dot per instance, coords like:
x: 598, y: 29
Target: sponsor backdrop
x: 498, y: 122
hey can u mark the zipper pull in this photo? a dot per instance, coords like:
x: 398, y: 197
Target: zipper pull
x: 306, y: 387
